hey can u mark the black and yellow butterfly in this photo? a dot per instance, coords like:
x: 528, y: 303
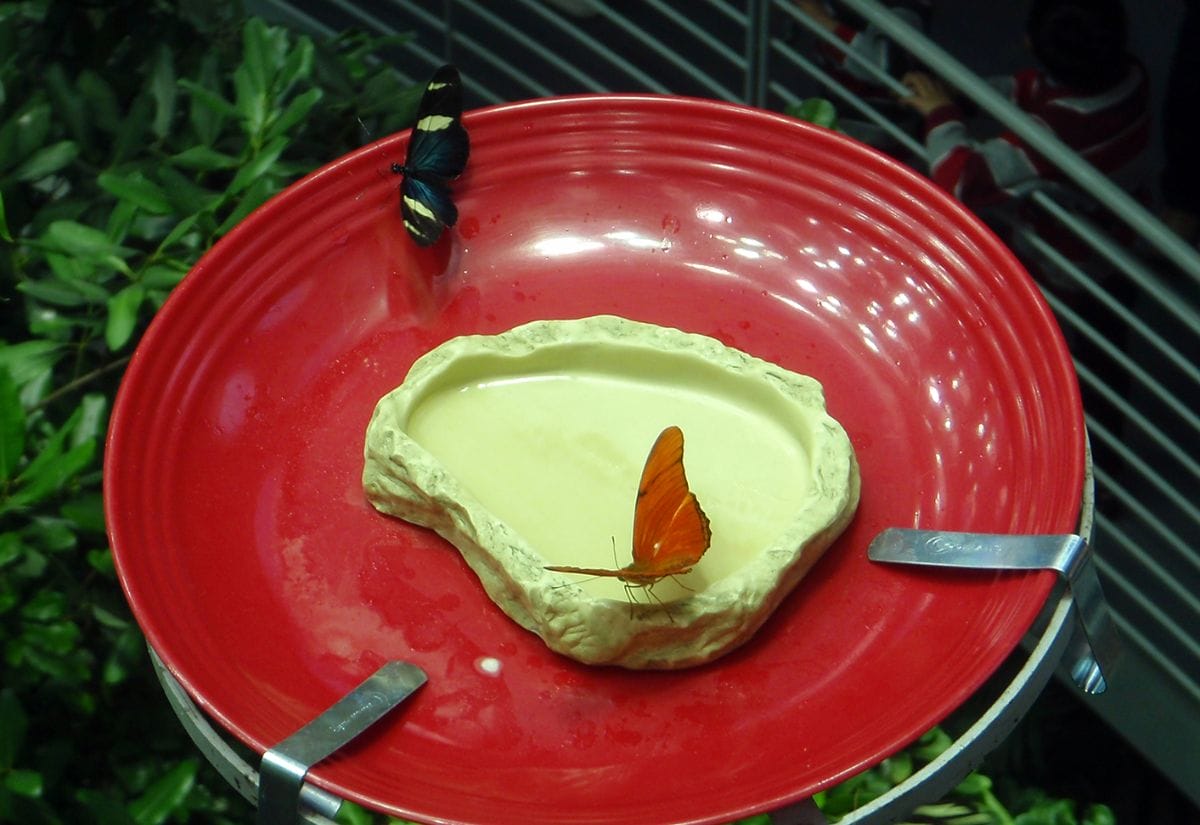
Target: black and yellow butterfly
x: 437, y: 154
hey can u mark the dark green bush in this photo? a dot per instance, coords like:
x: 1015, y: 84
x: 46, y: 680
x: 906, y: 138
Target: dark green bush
x: 119, y: 166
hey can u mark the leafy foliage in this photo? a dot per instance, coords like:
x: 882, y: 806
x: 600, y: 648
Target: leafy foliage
x: 973, y: 802
x: 119, y: 166
x: 121, y: 163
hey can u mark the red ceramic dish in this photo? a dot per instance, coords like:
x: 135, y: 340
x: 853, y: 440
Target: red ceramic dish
x: 269, y: 586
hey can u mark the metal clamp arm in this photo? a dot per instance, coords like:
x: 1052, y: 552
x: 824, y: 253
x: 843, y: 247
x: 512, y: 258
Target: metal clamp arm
x: 1095, y: 647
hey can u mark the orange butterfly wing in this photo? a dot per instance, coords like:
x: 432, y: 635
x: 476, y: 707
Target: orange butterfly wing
x: 670, y: 531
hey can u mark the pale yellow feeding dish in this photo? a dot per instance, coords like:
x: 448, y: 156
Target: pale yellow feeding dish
x: 525, y: 449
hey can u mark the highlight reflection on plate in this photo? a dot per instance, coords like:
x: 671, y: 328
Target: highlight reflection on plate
x: 269, y: 587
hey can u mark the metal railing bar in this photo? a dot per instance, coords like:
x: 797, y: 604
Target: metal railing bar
x: 849, y: 97
x: 1130, y: 632
x: 1161, y: 529
x: 1127, y: 316
x: 757, y: 56
x: 734, y: 14
x: 731, y: 56
x: 521, y: 38
x: 672, y: 57
x: 478, y: 86
x: 1039, y: 138
x: 878, y: 73
x: 1112, y: 576
x: 298, y: 19
x: 594, y: 46
x: 1144, y: 424
x: 1185, y: 413
x: 1137, y: 270
x: 428, y: 18
x: 1169, y: 493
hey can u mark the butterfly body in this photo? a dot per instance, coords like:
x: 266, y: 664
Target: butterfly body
x: 437, y: 154
x: 670, y: 530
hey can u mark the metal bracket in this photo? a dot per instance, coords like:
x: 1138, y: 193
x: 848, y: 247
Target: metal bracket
x: 1094, y: 648
x: 283, y: 767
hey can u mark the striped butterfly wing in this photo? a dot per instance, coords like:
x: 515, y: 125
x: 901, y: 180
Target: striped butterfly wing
x: 437, y: 154
x: 670, y: 530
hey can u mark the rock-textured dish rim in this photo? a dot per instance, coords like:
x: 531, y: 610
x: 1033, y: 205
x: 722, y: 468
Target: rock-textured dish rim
x: 402, y: 478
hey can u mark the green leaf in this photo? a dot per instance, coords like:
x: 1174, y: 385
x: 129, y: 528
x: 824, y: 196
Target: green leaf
x: 121, y: 220
x: 13, y: 724
x: 12, y: 426
x: 64, y: 292
x: 352, y: 814
x: 109, y: 619
x: 1099, y: 815
x: 203, y: 158
x: 101, y: 561
x: 24, y: 782
x: 29, y: 359
x: 264, y: 54
x: 57, y: 638
x: 165, y: 796
x: 86, y: 513
x: 131, y: 133
x: 4, y: 233
x: 161, y: 276
x: 138, y: 189
x: 250, y: 101
x: 976, y: 784
x: 815, y: 110
x: 296, y: 111
x: 296, y: 67
x: 52, y: 468
x: 105, y: 808
x: 47, y: 160
x: 181, y: 231
x: 123, y: 315
x: 45, y: 606
x: 32, y: 129
x: 127, y: 655
x: 208, y: 99
x: 256, y: 54
x: 91, y: 419
x: 258, y: 166
x: 11, y: 549
x: 164, y: 90
x: 51, y: 534
x: 101, y: 100
x: 255, y: 196
x: 68, y: 104
x: 68, y: 267
x: 208, y: 109
x: 931, y: 745
x: 81, y: 240
x: 186, y: 197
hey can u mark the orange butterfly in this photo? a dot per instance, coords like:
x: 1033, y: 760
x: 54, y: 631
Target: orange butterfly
x: 670, y: 531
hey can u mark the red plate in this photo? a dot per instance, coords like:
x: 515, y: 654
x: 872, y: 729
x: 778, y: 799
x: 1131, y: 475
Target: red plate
x: 270, y: 587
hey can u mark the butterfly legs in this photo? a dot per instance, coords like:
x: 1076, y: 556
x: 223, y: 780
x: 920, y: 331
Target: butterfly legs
x: 630, y: 587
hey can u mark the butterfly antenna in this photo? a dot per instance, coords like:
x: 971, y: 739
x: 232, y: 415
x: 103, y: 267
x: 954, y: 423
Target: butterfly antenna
x: 367, y: 135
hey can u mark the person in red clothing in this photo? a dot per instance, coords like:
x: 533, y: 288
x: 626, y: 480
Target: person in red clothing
x: 867, y: 43
x: 1088, y: 90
